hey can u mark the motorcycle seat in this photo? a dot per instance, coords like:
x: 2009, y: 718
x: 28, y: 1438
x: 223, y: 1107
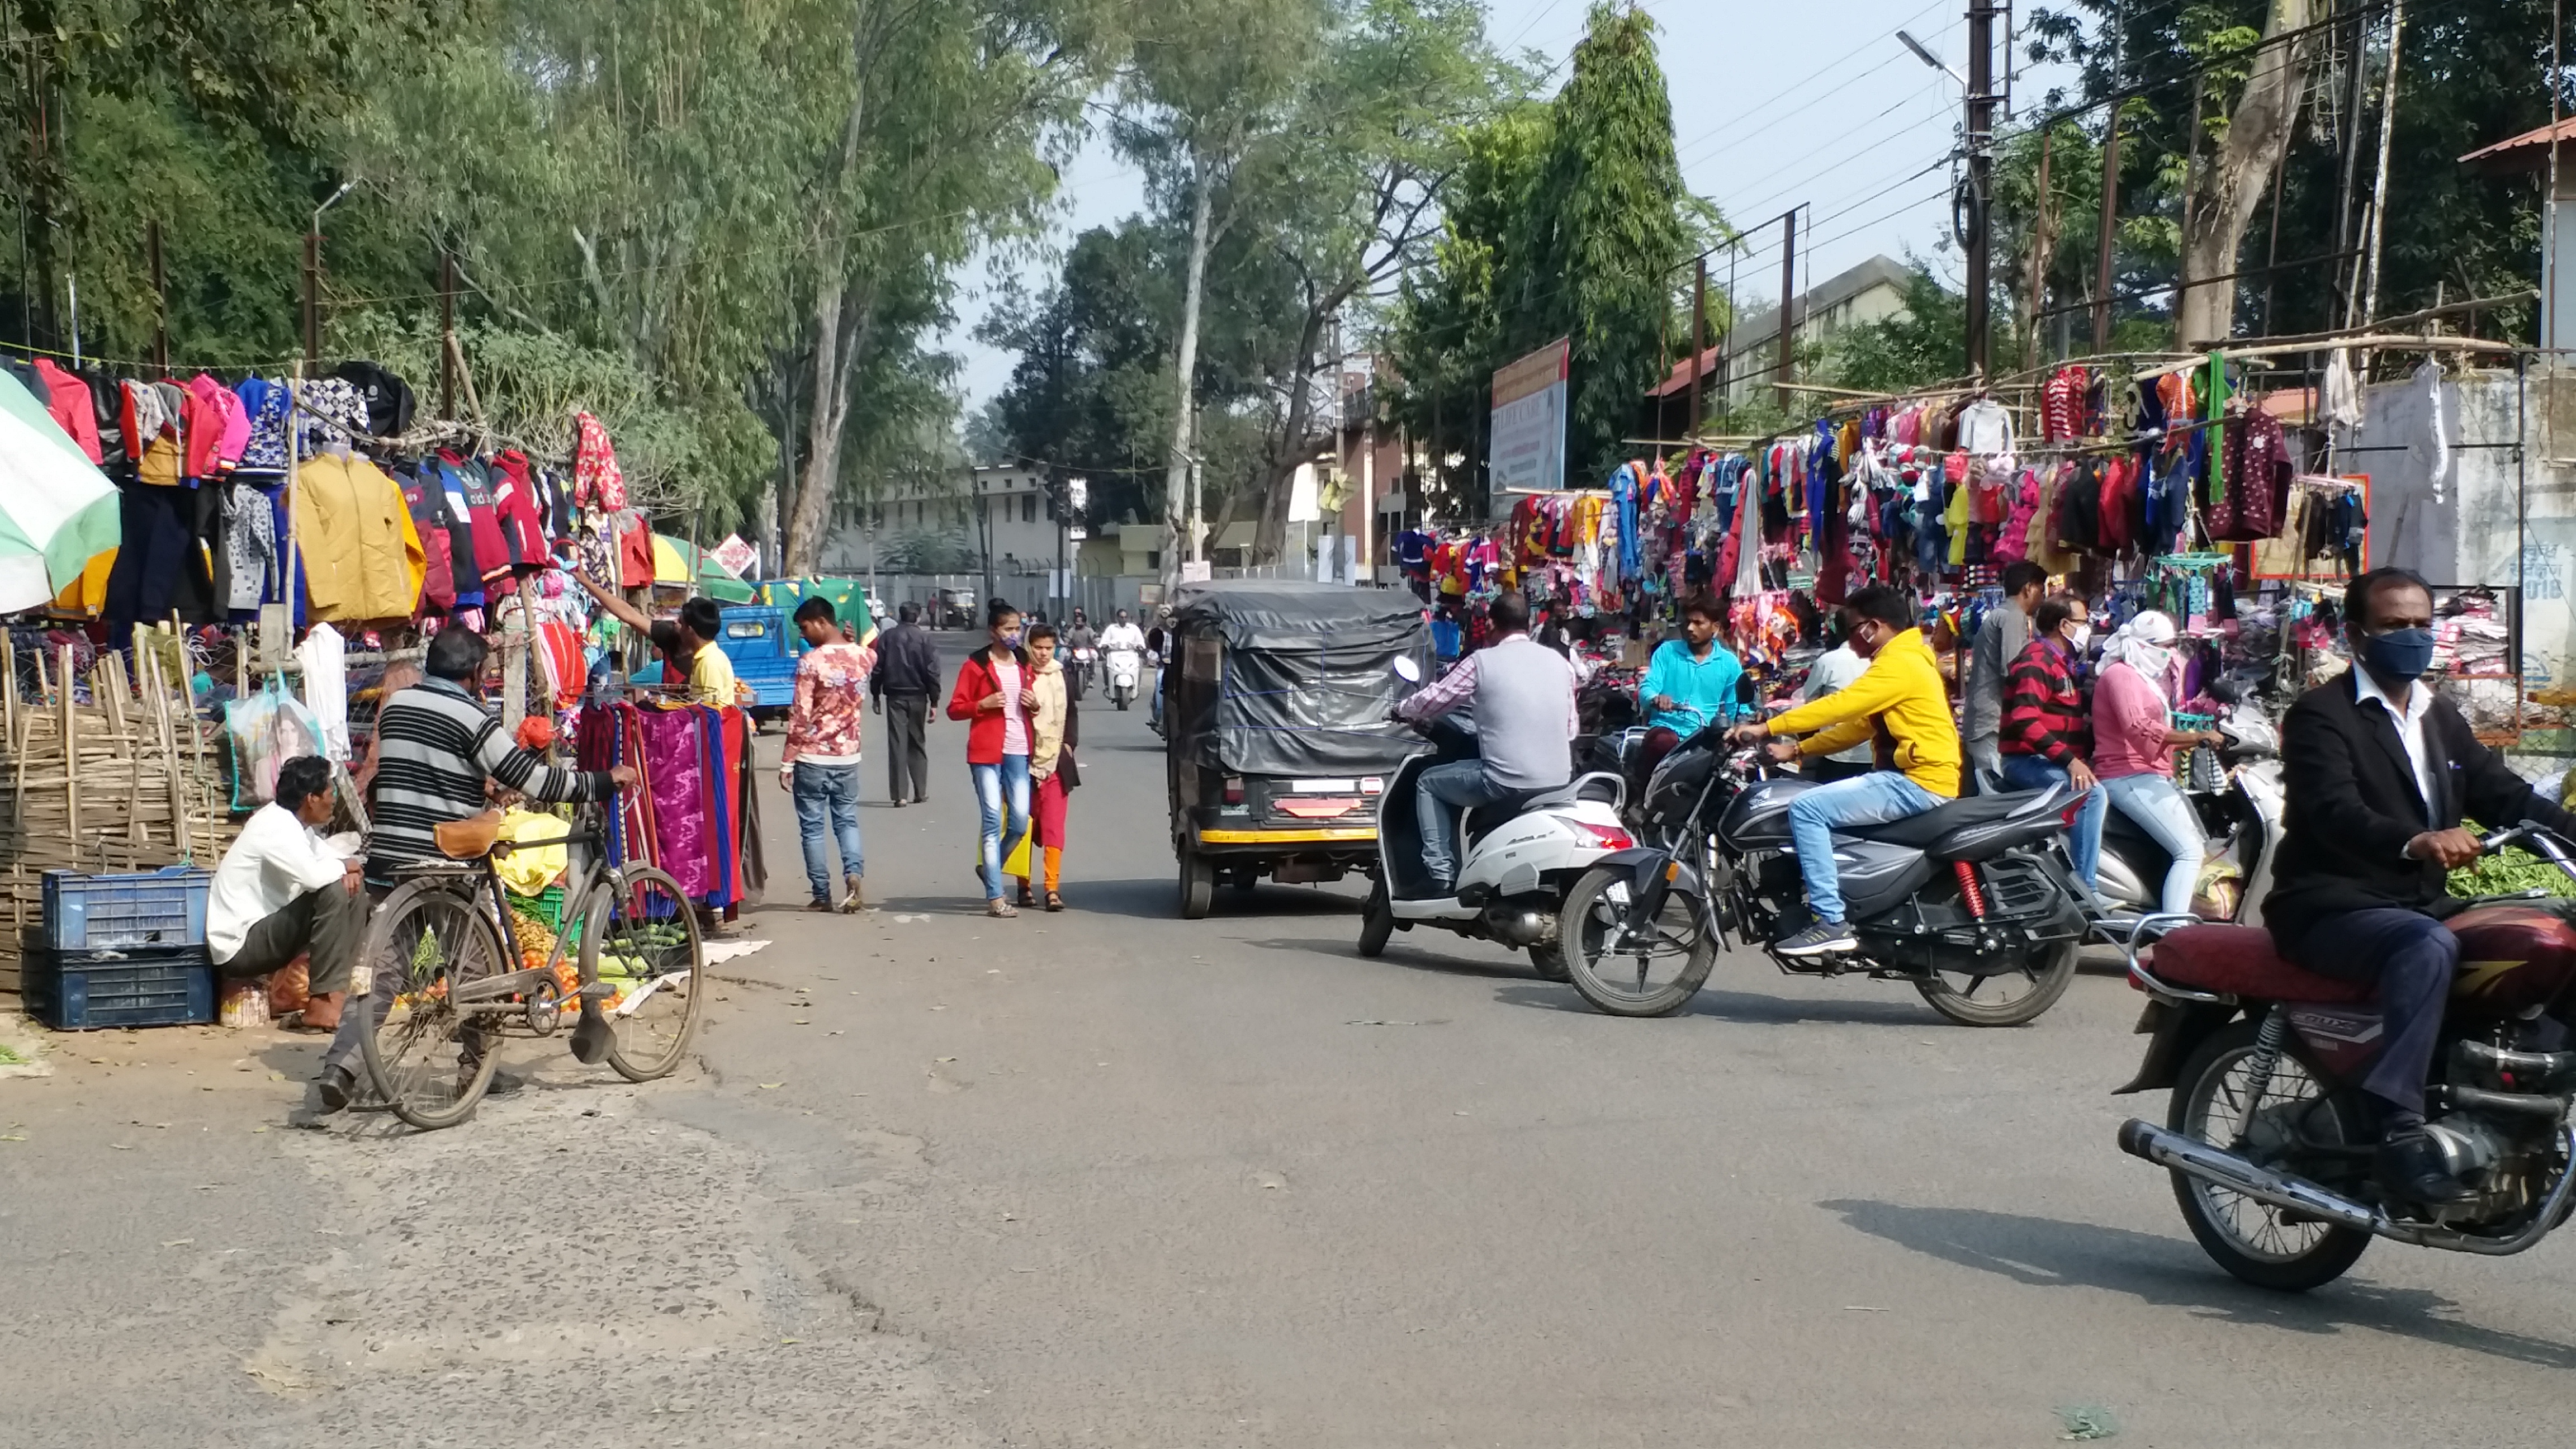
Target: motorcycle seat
x: 1927, y: 830
x: 2240, y: 961
x: 1482, y: 819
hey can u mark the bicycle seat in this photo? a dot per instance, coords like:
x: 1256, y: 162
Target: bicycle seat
x: 468, y: 839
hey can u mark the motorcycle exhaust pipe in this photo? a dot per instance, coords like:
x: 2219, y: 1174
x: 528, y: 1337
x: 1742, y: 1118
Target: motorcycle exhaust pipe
x: 2222, y: 1168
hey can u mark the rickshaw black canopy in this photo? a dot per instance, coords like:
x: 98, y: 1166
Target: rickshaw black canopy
x: 1284, y: 678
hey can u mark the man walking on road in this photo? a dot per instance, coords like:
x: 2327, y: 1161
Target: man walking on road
x: 907, y: 674
x: 820, y: 765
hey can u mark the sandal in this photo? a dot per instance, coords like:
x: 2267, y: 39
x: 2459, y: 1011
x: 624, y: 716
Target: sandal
x: 1055, y: 902
x: 998, y: 907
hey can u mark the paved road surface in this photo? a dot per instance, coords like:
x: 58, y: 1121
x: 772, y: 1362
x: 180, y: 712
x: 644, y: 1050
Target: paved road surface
x: 1109, y: 1178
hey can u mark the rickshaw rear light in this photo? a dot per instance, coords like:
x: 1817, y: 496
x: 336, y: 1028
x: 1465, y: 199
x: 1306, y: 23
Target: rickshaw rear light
x: 1234, y: 791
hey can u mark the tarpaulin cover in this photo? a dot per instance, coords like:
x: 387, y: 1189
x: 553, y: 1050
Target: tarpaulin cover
x: 1303, y: 678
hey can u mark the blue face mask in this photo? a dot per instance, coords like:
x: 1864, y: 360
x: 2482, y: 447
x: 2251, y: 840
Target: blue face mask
x: 1011, y: 637
x: 2399, y: 653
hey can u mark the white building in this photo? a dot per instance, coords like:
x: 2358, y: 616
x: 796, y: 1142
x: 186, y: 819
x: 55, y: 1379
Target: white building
x: 951, y: 520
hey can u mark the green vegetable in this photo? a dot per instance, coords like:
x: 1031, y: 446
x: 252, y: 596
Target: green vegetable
x: 2507, y: 871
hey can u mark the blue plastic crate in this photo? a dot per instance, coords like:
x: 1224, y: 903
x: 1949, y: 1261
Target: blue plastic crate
x: 163, y: 909
x: 91, y: 990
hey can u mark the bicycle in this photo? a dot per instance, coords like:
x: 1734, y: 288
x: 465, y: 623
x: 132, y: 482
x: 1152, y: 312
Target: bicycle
x: 464, y: 982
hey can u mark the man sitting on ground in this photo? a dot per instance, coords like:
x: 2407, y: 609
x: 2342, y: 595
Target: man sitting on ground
x: 1898, y: 699
x: 281, y: 893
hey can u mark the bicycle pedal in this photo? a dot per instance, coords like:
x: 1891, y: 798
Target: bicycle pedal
x: 597, y: 991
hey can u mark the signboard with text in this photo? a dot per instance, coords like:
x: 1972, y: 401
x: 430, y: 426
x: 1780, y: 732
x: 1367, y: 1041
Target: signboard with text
x: 1527, y: 447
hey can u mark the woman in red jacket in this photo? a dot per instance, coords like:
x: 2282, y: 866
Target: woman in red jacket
x: 994, y: 693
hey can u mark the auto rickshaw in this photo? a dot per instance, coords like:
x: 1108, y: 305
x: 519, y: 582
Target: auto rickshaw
x: 1278, y: 737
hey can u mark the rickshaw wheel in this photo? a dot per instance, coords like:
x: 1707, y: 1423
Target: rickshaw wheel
x: 1198, y: 883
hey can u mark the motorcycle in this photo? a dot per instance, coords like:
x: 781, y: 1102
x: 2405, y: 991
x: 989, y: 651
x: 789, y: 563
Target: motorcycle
x: 2265, y: 1135
x: 1077, y: 670
x: 1516, y: 857
x: 1126, y: 666
x: 1966, y: 902
x: 2241, y: 821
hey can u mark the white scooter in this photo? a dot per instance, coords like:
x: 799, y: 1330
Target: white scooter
x: 1125, y: 667
x: 1517, y: 858
x: 2241, y: 822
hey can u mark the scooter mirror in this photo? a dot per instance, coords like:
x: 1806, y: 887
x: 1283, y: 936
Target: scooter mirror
x: 1407, y: 670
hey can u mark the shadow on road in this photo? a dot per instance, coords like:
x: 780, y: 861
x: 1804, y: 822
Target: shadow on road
x: 2171, y: 1273
x: 1425, y: 956
x: 1738, y: 1006
x: 1159, y: 900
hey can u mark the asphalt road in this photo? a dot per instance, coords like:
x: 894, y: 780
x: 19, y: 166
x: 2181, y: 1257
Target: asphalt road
x: 1111, y: 1178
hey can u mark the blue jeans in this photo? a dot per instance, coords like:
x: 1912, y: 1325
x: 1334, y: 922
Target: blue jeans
x: 1003, y: 791
x: 2157, y: 805
x: 1873, y: 799
x: 827, y: 804
x: 1460, y: 783
x: 2030, y: 772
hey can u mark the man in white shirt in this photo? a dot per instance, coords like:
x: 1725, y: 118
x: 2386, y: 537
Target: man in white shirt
x: 1838, y: 667
x: 281, y: 893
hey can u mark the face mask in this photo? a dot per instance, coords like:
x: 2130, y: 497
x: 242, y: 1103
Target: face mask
x: 2399, y: 653
x: 1011, y: 637
x: 2079, y: 637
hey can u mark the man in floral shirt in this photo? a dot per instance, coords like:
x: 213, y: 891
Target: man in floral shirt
x: 820, y: 767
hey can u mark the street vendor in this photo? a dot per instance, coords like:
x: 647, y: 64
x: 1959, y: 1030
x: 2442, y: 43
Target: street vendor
x: 687, y: 644
x: 280, y: 893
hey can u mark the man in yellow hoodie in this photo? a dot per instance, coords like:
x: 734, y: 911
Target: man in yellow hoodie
x: 1898, y: 702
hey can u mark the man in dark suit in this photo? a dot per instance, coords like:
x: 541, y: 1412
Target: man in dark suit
x: 907, y: 674
x: 2378, y: 773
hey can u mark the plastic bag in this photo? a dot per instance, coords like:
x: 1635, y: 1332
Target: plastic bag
x: 290, y: 986
x: 1017, y: 863
x: 529, y: 872
x: 265, y: 730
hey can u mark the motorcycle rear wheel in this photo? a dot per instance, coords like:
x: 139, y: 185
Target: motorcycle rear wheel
x: 1681, y: 944
x: 1961, y: 1004
x: 2245, y: 1237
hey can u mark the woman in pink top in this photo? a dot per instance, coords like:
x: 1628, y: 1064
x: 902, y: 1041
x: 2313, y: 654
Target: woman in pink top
x: 2133, y: 745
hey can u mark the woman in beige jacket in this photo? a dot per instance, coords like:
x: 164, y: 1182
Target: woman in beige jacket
x: 1053, y: 728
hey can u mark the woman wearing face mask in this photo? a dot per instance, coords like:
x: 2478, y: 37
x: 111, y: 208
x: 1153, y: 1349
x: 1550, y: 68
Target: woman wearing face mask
x: 995, y: 693
x: 2133, y: 747
x: 2045, y: 736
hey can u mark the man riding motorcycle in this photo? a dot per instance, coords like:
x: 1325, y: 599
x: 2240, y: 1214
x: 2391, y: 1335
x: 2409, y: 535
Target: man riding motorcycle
x: 1522, y: 693
x: 1900, y: 696
x: 2378, y: 773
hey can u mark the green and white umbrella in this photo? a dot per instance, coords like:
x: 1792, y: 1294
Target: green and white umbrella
x: 57, y: 510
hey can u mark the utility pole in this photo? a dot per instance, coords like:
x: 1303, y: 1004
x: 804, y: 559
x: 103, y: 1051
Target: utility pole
x: 313, y: 279
x: 1699, y: 328
x: 1981, y: 174
x: 1788, y: 301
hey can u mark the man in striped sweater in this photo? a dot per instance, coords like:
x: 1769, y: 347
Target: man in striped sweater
x: 2047, y: 731
x: 437, y: 753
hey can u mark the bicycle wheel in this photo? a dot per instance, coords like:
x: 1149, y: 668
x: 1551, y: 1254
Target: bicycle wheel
x: 430, y: 1062
x: 644, y: 941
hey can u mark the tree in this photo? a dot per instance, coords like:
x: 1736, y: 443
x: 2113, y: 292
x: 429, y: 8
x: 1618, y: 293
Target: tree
x: 2250, y: 142
x: 1607, y: 226
x: 1209, y: 90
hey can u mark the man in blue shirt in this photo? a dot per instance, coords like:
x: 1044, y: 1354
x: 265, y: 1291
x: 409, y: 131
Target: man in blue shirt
x: 1691, y: 681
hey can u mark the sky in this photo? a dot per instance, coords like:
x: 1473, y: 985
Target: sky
x: 1773, y: 107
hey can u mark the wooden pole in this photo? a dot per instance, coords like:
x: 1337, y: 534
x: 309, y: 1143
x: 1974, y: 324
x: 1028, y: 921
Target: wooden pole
x: 447, y: 336
x: 2110, y: 225
x: 312, y: 301
x: 160, y: 300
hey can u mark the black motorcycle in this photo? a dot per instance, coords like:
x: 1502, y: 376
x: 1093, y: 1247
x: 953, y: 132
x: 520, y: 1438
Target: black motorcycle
x: 1974, y: 903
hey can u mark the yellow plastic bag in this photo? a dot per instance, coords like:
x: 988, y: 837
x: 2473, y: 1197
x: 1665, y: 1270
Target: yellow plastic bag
x: 529, y: 872
x: 1017, y: 862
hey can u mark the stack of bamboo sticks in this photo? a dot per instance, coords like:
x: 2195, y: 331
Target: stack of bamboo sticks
x: 129, y: 780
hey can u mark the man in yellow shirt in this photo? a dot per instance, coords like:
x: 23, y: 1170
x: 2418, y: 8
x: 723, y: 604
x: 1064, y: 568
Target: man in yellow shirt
x: 688, y: 644
x: 1897, y: 700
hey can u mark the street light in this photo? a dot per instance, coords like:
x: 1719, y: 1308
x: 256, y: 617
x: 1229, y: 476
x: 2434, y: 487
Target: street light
x: 1928, y: 58
x: 313, y: 278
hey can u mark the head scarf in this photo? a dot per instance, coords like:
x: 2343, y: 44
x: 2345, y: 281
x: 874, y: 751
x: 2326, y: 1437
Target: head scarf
x: 2145, y: 644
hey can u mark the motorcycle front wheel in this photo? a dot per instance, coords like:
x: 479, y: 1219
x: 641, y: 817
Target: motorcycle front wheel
x: 2250, y: 1239
x: 2007, y: 998
x: 1653, y: 971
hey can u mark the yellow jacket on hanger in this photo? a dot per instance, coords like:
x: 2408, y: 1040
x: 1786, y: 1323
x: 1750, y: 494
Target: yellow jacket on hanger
x: 362, y: 558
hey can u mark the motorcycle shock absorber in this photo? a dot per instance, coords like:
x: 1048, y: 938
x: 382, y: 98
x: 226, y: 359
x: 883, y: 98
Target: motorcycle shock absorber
x: 2269, y: 1038
x: 1971, y: 887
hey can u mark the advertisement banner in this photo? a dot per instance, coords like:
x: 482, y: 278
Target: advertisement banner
x: 1528, y: 436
